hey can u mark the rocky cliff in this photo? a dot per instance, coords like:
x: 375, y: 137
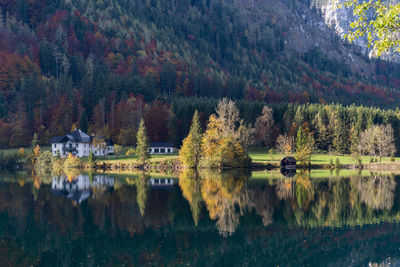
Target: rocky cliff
x: 339, y: 20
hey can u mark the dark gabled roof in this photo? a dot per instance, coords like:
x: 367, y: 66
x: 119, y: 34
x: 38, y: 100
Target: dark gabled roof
x: 56, y: 139
x: 161, y: 145
x: 109, y: 142
x: 79, y: 136
x: 76, y: 136
x: 290, y: 159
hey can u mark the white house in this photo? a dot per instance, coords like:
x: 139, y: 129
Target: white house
x: 161, y: 148
x: 80, y: 144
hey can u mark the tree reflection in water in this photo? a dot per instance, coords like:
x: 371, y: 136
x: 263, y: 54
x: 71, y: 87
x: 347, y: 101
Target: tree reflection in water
x: 189, y: 182
x: 300, y: 200
x: 142, y: 191
x: 226, y: 197
x: 377, y: 191
x: 285, y: 189
x: 310, y: 217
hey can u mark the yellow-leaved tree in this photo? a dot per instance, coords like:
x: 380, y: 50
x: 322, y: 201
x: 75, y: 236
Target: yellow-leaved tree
x: 222, y: 142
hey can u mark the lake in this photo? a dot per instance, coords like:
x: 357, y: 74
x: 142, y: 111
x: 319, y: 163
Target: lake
x: 201, y: 219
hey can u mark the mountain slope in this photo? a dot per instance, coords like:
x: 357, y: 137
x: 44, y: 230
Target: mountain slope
x: 62, y: 59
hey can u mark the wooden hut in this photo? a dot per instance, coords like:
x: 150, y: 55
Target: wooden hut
x: 288, y: 163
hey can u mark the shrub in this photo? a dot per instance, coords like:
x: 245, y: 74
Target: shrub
x: 21, y: 153
x: 92, y: 160
x: 130, y: 152
x: 58, y: 165
x: 337, y: 164
x: 359, y: 164
x: 331, y: 165
x: 72, y: 163
x: 44, y: 162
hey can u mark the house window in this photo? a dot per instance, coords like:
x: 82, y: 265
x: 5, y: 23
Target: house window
x: 168, y: 150
x: 156, y: 150
x: 162, y: 150
x: 55, y: 145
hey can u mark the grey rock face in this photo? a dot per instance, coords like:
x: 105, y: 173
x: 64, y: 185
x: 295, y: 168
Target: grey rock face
x: 339, y: 20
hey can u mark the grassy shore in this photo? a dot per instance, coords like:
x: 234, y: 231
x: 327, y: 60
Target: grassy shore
x: 260, y: 156
x: 133, y: 159
x: 318, y: 159
x: 10, y: 151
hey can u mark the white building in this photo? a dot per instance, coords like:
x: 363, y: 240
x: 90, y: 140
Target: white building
x: 80, y: 144
x: 161, y: 148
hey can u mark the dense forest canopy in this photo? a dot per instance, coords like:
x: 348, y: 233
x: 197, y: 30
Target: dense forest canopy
x: 105, y: 65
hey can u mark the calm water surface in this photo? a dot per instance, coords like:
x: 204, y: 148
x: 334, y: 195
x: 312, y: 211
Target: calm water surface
x: 200, y: 219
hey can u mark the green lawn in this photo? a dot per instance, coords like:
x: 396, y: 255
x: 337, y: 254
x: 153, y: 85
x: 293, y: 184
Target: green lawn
x: 10, y: 151
x: 274, y: 158
x: 133, y: 159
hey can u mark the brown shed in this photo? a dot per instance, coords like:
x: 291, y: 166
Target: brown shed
x: 288, y: 163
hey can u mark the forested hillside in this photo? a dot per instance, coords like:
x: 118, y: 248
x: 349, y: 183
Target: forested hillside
x: 103, y: 65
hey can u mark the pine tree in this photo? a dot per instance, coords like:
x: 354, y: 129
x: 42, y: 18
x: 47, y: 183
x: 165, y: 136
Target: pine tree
x: 304, y: 145
x: 191, y: 148
x: 142, y: 148
x: 83, y: 123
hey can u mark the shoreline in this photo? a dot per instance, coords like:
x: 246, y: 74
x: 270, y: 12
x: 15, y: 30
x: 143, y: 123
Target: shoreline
x: 175, y: 166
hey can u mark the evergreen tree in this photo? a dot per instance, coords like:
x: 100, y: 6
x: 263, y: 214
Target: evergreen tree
x: 83, y: 123
x: 142, y: 147
x: 191, y: 148
x: 304, y: 145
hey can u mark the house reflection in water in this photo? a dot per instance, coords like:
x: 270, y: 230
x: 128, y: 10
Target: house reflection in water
x: 79, y: 189
x: 161, y: 182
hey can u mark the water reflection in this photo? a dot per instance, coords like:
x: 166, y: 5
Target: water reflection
x: 226, y: 197
x: 297, y: 201
x: 205, y: 218
x: 377, y: 191
x: 81, y: 187
x: 190, y: 184
x: 142, y: 189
